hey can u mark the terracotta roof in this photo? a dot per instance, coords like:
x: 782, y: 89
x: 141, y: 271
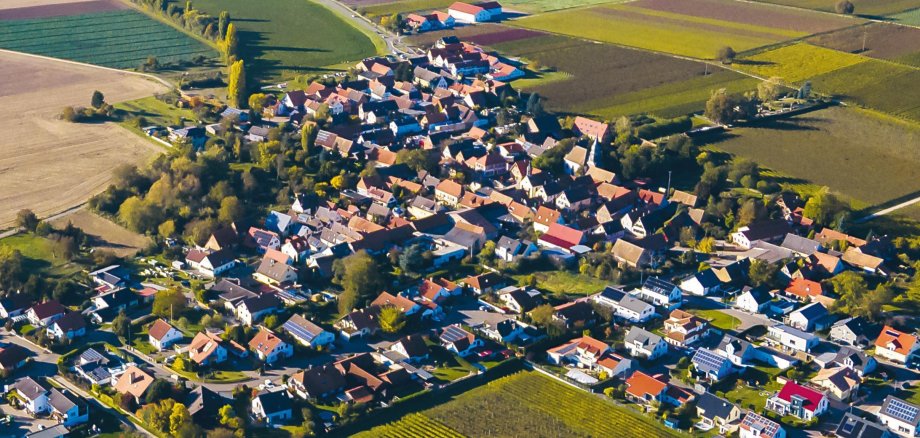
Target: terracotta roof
x: 466, y: 8
x: 640, y: 384
x: 903, y: 343
x: 547, y: 216
x: 203, y: 345
x: 134, y: 381
x: 265, y: 341
x: 803, y: 288
x: 590, y: 128
x: 386, y: 298
x: 452, y: 188
x: 159, y: 329
x: 566, y: 234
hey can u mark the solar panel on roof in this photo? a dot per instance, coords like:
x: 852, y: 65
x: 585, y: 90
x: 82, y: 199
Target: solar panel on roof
x: 298, y: 331
x: 452, y: 334
x: 767, y: 427
x: 901, y: 410
x: 708, y: 359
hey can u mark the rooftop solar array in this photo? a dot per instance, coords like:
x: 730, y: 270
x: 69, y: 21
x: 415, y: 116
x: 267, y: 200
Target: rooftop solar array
x: 298, y: 331
x: 705, y: 359
x: 902, y: 410
x: 758, y: 422
x: 658, y: 285
x: 453, y: 333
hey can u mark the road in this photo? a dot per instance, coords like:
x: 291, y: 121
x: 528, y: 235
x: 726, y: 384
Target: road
x: 887, y: 210
x: 392, y: 41
x: 15, y: 230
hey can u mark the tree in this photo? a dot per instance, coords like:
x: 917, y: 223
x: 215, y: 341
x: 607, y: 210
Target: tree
x: 308, y: 134
x: 231, y: 43
x: 762, y: 273
x: 223, y: 21
x: 534, y: 105
x: 121, y: 325
x: 392, y: 319
x: 751, y: 211
x: 412, y: 260
x: 726, y: 55
x: 257, y: 102
x: 361, y: 278
x: 178, y: 419
x: 719, y: 106
x: 98, y: 99
x: 845, y: 7
x: 850, y: 287
x: 271, y: 321
x: 542, y: 315
x: 156, y: 415
x: 236, y: 84
x: 230, y: 210
x: 168, y: 303
x: 181, y: 364
x: 159, y: 390
x: 487, y: 254
x: 137, y: 214
x: 26, y: 220
x: 228, y: 417
x: 706, y: 245
x: 824, y: 207
x: 167, y: 228
x: 770, y: 89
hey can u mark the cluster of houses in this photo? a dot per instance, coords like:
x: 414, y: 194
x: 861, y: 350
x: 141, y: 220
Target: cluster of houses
x: 458, y: 12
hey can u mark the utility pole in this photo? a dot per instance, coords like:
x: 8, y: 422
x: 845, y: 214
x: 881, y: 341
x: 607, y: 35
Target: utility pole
x: 668, y: 191
x: 865, y: 38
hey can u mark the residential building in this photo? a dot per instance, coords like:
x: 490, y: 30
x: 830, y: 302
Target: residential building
x: 717, y: 413
x: 307, y: 333
x: 161, y: 334
x: 413, y: 347
x: 252, y: 310
x: 711, y: 366
x: 625, y: 306
x: 269, y: 348
x: 644, y: 344
x: 799, y: 401
x: 852, y: 426
x: 134, y: 381
x: 855, y: 331
x: 792, y: 338
x: 901, y: 417
x: 895, y: 345
x: 69, y: 409
x: 757, y: 426
x: 457, y: 340
x: 702, y: 283
x: 840, y: 382
x: 43, y: 314
x: 811, y: 317
x: 273, y: 407
x: 211, y: 264
x: 753, y: 300
x: 661, y: 292
x: 33, y: 395
x: 70, y: 326
x: 683, y: 329
x: 207, y: 349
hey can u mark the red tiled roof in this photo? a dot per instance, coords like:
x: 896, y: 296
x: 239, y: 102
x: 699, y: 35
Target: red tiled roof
x: 812, y: 397
x: 903, y: 342
x: 640, y: 384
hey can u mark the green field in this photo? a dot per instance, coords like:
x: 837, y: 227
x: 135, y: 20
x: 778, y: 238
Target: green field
x: 911, y: 17
x: 863, y: 7
x: 118, y: 39
x: 718, y: 319
x: 281, y: 38
x: 155, y: 111
x: 565, y: 282
x: 880, y: 85
x: 401, y: 7
x: 534, y: 6
x: 40, y: 254
x: 524, y: 404
x: 797, y: 62
x: 669, y: 100
x: 862, y: 154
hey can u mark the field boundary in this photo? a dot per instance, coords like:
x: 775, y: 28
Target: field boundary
x: 174, y: 25
x: 49, y: 58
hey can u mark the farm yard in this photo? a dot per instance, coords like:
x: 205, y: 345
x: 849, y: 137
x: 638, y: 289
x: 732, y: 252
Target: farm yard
x: 37, y: 143
x: 121, y: 39
x: 826, y: 147
x: 863, y: 7
x: 283, y: 38
x: 694, y: 28
x: 525, y: 404
x: 882, y: 41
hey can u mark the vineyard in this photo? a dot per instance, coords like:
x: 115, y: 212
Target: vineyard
x: 524, y: 404
x: 119, y: 39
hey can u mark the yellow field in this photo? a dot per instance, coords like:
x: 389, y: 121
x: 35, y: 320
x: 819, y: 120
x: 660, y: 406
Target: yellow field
x: 797, y: 62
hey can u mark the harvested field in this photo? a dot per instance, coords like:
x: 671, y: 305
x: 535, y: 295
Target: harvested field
x: 863, y: 7
x: 504, y: 36
x: 887, y: 87
x: 105, y: 234
x: 599, y: 72
x: 669, y: 100
x: 910, y: 18
x: 404, y: 6
x: 57, y: 10
x: 118, y: 39
x: 882, y: 41
x: 797, y: 62
x: 695, y: 28
x: 49, y: 165
x: 862, y: 154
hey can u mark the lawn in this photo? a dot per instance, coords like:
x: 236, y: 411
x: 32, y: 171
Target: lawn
x: 282, y: 38
x: 156, y: 112
x: 885, y: 86
x: 40, y: 254
x: 862, y: 154
x: 120, y: 39
x: 526, y: 404
x: 745, y: 396
x: 565, y: 282
x: 863, y: 7
x: 719, y: 319
x: 798, y: 62
x: 401, y: 7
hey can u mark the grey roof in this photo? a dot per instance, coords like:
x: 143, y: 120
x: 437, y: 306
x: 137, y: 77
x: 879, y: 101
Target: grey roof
x: 794, y: 332
x: 203, y: 401
x: 901, y: 410
x: 56, y: 431
x: 852, y: 426
x: 799, y: 244
x: 713, y: 407
x: 301, y: 327
x: 636, y: 305
x: 738, y: 345
x: 658, y: 285
x: 264, y: 302
x: 96, y: 372
x: 508, y: 243
x: 63, y: 402
x: 91, y: 355
x: 707, y: 361
x: 642, y: 336
x: 29, y: 388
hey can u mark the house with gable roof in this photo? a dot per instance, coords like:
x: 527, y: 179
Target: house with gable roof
x: 896, y: 345
x: 161, y: 334
x: 268, y: 347
x: 799, y: 401
x: 306, y: 332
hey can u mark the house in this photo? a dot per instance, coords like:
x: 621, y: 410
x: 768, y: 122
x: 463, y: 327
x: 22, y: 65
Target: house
x: 896, y: 346
x: 509, y: 330
x: 573, y: 314
x: 252, y: 310
x: 867, y: 262
x: 804, y: 290
x: 33, y: 395
x: 13, y: 357
x: 134, y: 381
x: 702, y: 283
x: 509, y: 249
x: 901, y: 417
x: 799, y: 401
x: 856, y: 359
x: 710, y: 365
x: 754, y: 300
x: 767, y: 231
x: 757, y: 426
x: 207, y: 349
x: 448, y: 192
x: 561, y: 237
x: 467, y: 13
x: 738, y: 351
x: 586, y: 127
x: 545, y: 217
x: 457, y: 340
x: 307, y: 333
x: 110, y: 278
x: 413, y: 347
x: 841, y: 382
x: 70, y: 326
x: 485, y: 283
x: 583, y: 352
x: 642, y: 253
x: 644, y: 344
x: 358, y: 323
x: 56, y: 431
x: 661, y: 293
x: 855, y: 331
x: 715, y: 412
x: 45, y: 313
x: 109, y: 304
x: 69, y: 409
x: 792, y: 338
x: 14, y: 305
x: 161, y: 334
x: 204, y: 405
x: 683, y: 329
x: 520, y: 300
x: 437, y: 290
x: 810, y: 318
x: 225, y: 237
x: 319, y: 382
x: 272, y: 407
x: 643, y: 389
x: 263, y: 240
x: 574, y: 161
x: 852, y: 426
x: 625, y: 306
x: 274, y: 273
x: 211, y: 264
x: 407, y: 306
x: 269, y: 348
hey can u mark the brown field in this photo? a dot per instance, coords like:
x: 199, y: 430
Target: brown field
x: 883, y: 41
x: 465, y: 33
x: 105, y: 234
x: 47, y: 164
x: 747, y: 13
x: 58, y: 9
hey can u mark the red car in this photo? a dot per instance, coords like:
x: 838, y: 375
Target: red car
x: 484, y: 354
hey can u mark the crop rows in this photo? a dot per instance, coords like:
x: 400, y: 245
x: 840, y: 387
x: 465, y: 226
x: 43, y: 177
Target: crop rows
x: 798, y: 62
x: 120, y: 39
x: 412, y: 426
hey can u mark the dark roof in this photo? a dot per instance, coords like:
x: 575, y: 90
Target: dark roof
x: 65, y: 401
x: 273, y: 402
x: 414, y: 345
x: 901, y: 410
x: 767, y: 229
x: 322, y: 380
x: 11, y: 355
x: 659, y: 285
x: 713, y: 407
x: 16, y: 302
x: 48, y: 308
x: 71, y: 321
x: 260, y: 303
x: 203, y: 403
x: 852, y: 426
x: 120, y: 297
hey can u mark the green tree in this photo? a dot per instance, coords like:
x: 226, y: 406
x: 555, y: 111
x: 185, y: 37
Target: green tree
x: 230, y: 210
x: 121, y: 325
x: 824, y: 207
x: 178, y: 419
x: 542, y: 315
x: 487, y: 254
x: 181, y: 364
x: 762, y: 273
x: 228, y: 417
x: 308, y: 134
x: 392, y: 319
x: 231, y: 43
x: 851, y: 288
x: 844, y: 7
x: 719, y: 107
x: 706, y: 245
x: 159, y: 390
x: 257, y: 102
x: 222, y: 24
x: 26, y: 220
x: 236, y: 84
x: 770, y: 89
x: 726, y: 54
x: 98, y: 99
x: 360, y: 277
x: 167, y: 228
x: 137, y: 215
x: 169, y: 303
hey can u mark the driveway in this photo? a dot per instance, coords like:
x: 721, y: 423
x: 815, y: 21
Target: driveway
x: 22, y: 423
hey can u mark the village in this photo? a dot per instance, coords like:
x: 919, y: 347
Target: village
x: 480, y: 235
